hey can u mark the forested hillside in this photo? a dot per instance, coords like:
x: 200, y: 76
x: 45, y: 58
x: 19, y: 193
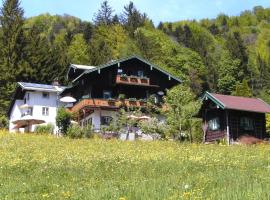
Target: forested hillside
x: 229, y: 55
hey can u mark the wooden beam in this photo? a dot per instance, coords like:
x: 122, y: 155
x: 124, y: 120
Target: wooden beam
x: 227, y: 127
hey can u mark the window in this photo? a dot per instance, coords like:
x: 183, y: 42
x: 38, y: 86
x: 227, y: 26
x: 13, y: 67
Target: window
x: 106, y: 120
x: 28, y: 111
x: 119, y: 71
x: 45, y: 95
x: 140, y: 73
x: 107, y: 94
x: 246, y: 123
x: 87, y: 122
x: 214, y: 124
x: 45, y: 111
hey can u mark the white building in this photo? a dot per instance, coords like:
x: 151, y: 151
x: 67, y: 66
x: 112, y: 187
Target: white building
x: 33, y: 103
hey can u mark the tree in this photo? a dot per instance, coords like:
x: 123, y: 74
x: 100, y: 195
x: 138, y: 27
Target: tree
x: 132, y: 18
x: 63, y: 120
x: 237, y: 49
x: 78, y: 50
x: 104, y: 15
x: 242, y: 89
x: 12, y: 49
x: 181, y: 107
x: 227, y: 76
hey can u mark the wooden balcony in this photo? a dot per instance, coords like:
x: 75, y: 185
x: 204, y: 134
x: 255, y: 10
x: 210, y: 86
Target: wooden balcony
x: 132, y: 80
x: 107, y: 103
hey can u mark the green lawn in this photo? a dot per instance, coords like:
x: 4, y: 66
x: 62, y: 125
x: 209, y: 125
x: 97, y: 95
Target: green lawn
x: 45, y: 167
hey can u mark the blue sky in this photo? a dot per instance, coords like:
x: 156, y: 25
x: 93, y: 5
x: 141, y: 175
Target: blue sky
x: 157, y: 10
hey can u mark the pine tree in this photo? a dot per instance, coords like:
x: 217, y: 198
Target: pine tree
x: 104, y: 15
x: 132, y: 18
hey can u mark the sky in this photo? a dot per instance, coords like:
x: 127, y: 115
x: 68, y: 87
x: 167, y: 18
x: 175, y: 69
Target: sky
x: 157, y: 10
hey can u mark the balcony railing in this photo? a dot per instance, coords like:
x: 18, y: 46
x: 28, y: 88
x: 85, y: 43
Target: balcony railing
x: 108, y: 103
x: 132, y: 80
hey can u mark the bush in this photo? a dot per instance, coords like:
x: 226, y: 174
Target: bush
x: 44, y: 129
x: 153, y: 126
x: 3, y: 122
x: 63, y: 119
x: 76, y: 132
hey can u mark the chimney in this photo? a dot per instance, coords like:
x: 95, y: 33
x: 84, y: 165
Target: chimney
x: 55, y: 82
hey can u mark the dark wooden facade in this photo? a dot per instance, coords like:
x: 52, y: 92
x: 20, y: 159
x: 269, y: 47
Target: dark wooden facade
x: 230, y: 124
x: 133, y: 78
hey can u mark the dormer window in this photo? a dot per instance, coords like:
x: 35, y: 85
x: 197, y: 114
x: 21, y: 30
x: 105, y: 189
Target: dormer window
x: 45, y: 95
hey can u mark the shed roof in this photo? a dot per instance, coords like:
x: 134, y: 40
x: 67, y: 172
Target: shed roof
x: 238, y: 103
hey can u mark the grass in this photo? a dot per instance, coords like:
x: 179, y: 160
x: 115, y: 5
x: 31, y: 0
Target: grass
x: 45, y: 167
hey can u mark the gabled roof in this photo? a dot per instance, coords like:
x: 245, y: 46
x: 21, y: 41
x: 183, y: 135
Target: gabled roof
x: 123, y: 60
x: 238, y: 103
x: 40, y: 87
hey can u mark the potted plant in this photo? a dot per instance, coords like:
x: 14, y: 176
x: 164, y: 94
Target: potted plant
x: 121, y: 97
x: 144, y: 80
x: 123, y: 77
x: 132, y: 99
x: 133, y: 78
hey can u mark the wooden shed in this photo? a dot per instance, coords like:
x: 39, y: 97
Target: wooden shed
x: 229, y: 117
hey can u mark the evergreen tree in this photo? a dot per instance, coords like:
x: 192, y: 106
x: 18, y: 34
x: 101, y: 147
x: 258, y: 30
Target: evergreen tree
x: 12, y: 52
x: 104, y: 15
x: 78, y: 50
x: 132, y: 18
x: 242, y: 89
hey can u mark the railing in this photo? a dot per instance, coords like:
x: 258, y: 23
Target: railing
x: 107, y: 103
x: 132, y: 80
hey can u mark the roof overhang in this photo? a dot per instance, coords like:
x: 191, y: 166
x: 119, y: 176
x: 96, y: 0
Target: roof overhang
x: 117, y: 62
x: 208, y: 95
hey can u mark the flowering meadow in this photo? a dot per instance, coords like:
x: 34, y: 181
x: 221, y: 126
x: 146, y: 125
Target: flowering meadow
x: 46, y: 167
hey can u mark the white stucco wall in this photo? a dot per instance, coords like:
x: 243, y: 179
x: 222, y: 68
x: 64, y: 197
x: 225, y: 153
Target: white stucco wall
x: 15, y: 114
x: 37, y: 102
x: 96, y: 117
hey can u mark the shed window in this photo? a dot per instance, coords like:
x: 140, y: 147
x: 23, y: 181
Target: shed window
x: 246, y: 123
x: 214, y: 124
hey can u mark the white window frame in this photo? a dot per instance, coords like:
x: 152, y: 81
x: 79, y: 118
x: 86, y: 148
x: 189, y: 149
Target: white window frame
x: 214, y: 124
x: 45, y: 111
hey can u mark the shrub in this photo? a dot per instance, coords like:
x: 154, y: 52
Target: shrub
x: 44, y: 129
x: 75, y: 132
x: 63, y: 119
x: 153, y: 126
x: 3, y: 122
